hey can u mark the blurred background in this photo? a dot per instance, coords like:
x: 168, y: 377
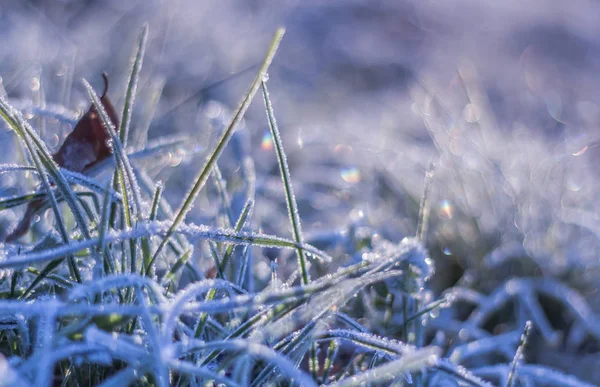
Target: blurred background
x: 502, y: 98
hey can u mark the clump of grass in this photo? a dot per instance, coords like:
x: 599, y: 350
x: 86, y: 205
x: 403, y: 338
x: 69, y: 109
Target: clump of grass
x: 110, y: 318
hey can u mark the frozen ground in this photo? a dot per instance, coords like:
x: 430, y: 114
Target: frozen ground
x: 500, y: 96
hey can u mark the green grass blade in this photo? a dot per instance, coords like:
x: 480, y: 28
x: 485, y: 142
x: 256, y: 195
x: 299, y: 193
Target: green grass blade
x: 161, y: 228
x: 221, y: 267
x: 292, y: 206
x: 146, y: 245
x: 43, y: 274
x: 109, y: 264
x: 241, y: 222
x: 132, y: 86
x: 176, y: 266
x: 201, y: 179
x: 125, y: 171
x: 17, y: 200
x: 123, y: 136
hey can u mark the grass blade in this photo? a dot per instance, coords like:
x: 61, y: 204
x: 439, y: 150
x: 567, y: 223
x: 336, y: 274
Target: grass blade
x: 292, y: 206
x: 241, y: 222
x: 124, y: 168
x: 386, y: 373
x: 146, y: 245
x: 518, y: 354
x: 210, y: 162
x: 132, y: 86
x: 290, y: 199
x: 161, y: 228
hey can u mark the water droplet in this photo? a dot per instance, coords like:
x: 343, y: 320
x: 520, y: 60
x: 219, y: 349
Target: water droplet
x: 554, y: 104
x: 53, y: 140
x: 343, y: 150
x: 213, y: 109
x: 434, y: 313
x: 581, y: 151
x: 62, y: 69
x: 471, y: 113
x: 266, y: 78
x: 447, y: 251
x: 351, y: 175
x: 34, y: 85
x: 267, y: 141
x: 446, y: 209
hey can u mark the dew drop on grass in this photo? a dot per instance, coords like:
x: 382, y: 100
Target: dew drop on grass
x: 266, y: 143
x: 34, y: 85
x: 446, y: 209
x: 213, y: 110
x: 434, y: 313
x: 350, y: 174
x: 53, y: 140
x: 471, y: 113
x: 581, y: 151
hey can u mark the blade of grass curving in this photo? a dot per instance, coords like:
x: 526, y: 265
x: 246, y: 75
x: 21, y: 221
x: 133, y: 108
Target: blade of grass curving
x: 202, y: 177
x: 416, y: 361
x: 292, y: 206
x: 460, y: 373
x: 259, y: 319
